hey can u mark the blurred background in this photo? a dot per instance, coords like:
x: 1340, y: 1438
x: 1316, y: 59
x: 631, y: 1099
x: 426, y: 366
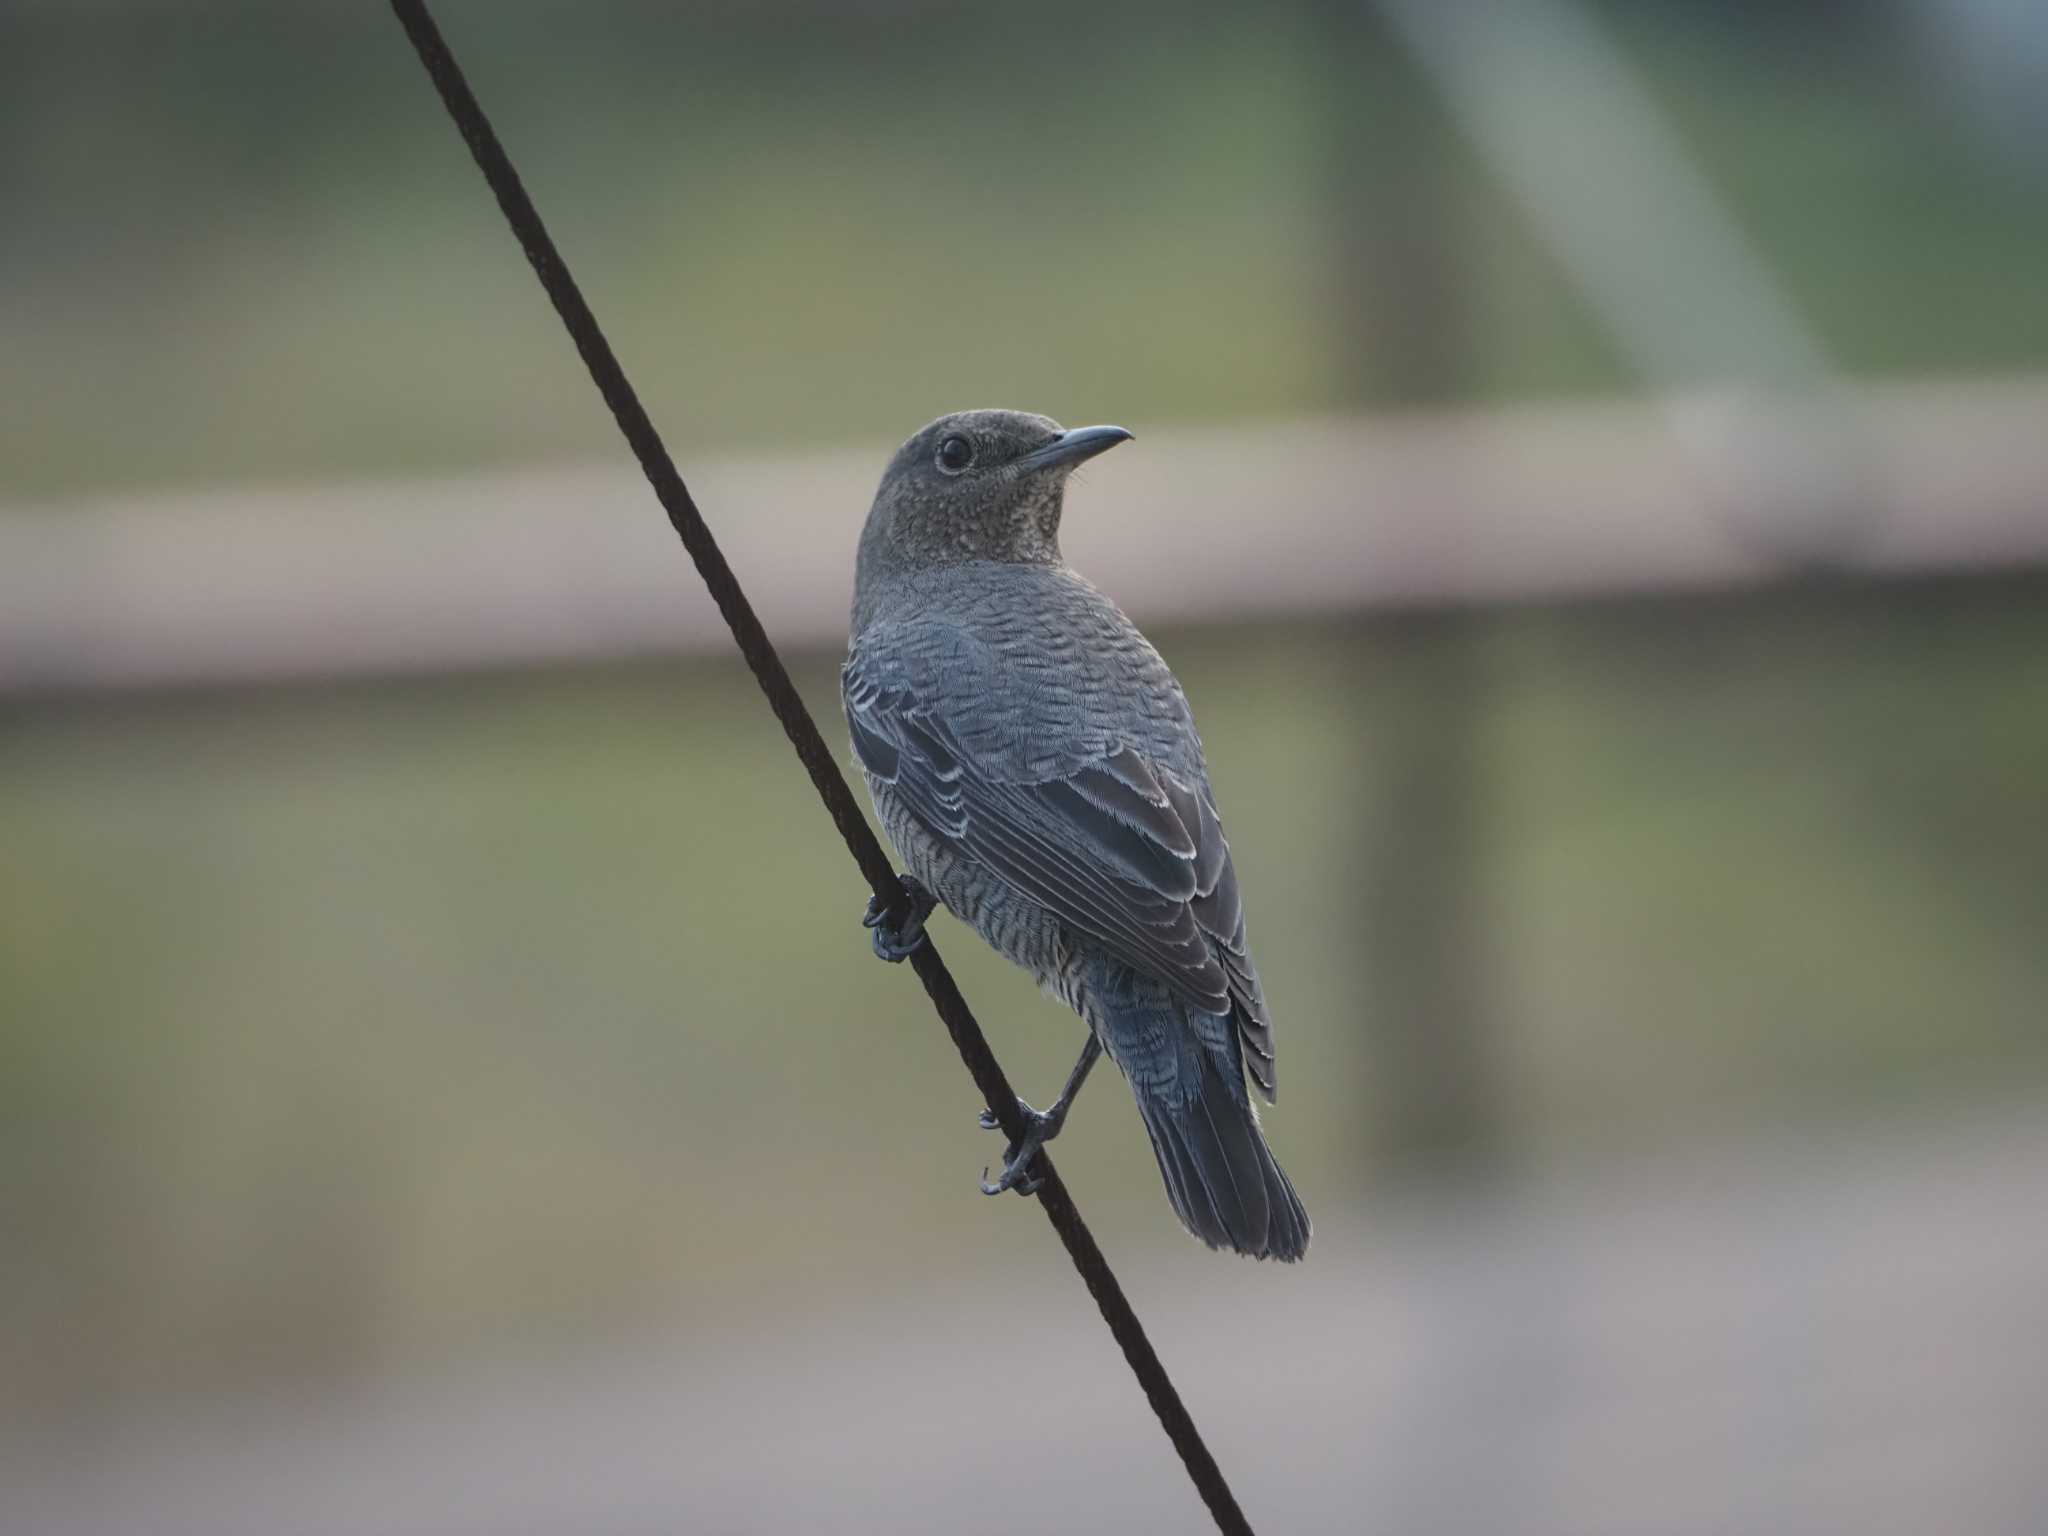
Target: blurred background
x: 1591, y: 477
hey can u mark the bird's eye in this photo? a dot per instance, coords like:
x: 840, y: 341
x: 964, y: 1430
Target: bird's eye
x: 955, y: 454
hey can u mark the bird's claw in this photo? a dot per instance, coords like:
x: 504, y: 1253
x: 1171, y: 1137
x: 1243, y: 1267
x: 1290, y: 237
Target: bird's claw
x: 1012, y: 1177
x: 897, y: 941
x: 1041, y: 1127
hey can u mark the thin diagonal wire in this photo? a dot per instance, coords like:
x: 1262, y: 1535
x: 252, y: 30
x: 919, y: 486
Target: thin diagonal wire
x: 802, y: 730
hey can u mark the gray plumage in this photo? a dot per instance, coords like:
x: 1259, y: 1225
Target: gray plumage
x: 1035, y: 763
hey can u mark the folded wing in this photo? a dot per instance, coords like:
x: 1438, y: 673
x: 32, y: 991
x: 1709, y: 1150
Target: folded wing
x: 1115, y: 845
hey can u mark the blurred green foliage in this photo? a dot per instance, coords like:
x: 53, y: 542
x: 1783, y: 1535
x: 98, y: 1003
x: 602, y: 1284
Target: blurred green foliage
x: 241, y: 241
x: 339, y: 1026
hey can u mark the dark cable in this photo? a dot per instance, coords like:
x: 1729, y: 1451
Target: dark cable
x: 803, y: 734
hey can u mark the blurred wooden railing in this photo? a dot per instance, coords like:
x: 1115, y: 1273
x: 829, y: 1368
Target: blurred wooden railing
x: 1187, y: 525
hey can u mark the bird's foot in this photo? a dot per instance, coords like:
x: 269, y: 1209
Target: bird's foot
x: 1040, y: 1127
x: 896, y: 941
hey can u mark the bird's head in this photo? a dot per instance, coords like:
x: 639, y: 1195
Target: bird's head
x: 978, y: 485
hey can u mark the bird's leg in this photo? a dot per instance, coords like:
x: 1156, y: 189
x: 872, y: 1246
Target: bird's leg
x: 1042, y: 1127
x: 894, y: 940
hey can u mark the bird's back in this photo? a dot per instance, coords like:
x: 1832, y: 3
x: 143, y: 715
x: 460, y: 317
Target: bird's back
x: 1037, y: 670
x: 1031, y: 753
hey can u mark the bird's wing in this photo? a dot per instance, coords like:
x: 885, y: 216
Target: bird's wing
x: 1114, y: 844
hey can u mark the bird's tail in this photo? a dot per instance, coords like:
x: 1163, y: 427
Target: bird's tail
x: 1220, y: 1174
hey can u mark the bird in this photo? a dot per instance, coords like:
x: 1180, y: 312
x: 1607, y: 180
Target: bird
x: 1036, y: 765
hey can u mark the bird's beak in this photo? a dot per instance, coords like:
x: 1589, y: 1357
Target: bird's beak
x: 1070, y: 448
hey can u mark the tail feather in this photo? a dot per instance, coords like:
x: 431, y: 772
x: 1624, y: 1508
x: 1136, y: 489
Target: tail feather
x: 1220, y: 1175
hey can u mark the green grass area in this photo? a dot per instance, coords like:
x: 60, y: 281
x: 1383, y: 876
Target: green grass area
x: 336, y: 1025
x: 244, y: 246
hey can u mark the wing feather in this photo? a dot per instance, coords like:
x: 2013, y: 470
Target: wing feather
x: 1117, y: 847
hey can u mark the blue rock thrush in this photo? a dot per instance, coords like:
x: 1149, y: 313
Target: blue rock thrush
x: 1035, y: 763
